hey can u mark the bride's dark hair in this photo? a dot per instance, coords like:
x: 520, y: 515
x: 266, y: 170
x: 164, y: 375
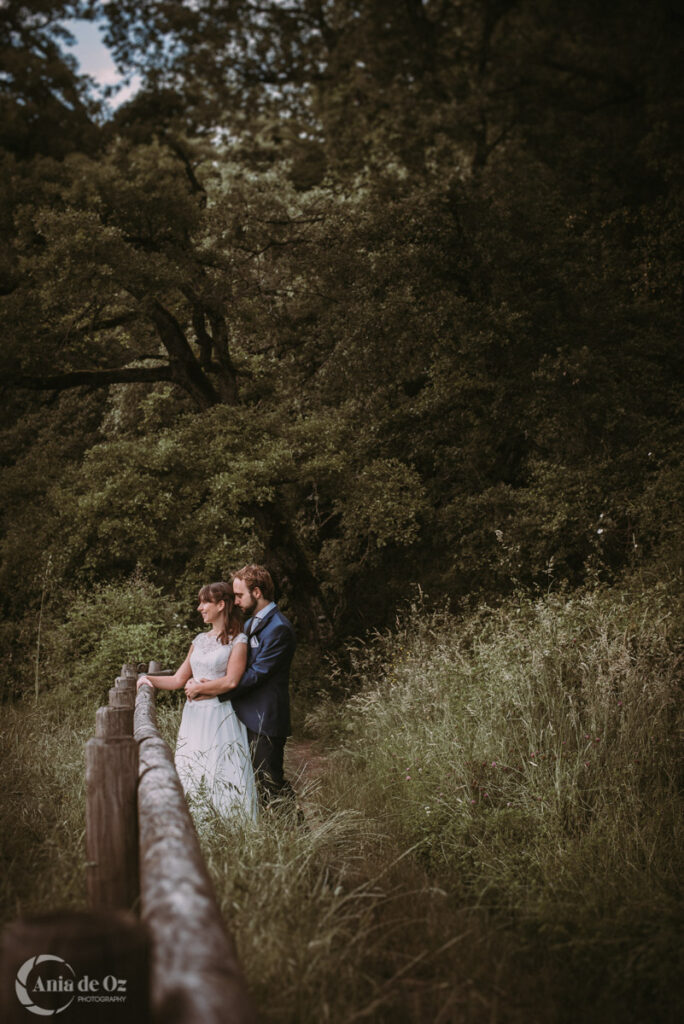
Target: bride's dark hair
x: 232, y: 617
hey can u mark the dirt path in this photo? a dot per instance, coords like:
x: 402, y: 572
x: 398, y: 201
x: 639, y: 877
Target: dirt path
x: 305, y: 764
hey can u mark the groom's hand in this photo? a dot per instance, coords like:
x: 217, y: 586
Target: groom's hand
x: 193, y: 691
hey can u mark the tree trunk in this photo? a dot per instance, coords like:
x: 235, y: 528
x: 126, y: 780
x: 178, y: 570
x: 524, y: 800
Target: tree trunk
x: 284, y: 555
x: 228, y: 376
x: 186, y: 371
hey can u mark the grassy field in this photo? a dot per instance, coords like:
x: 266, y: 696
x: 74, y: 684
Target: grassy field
x: 530, y: 758
x: 497, y: 837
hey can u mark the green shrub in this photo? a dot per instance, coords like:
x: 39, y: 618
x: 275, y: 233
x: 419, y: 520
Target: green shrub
x: 42, y: 818
x: 106, y: 626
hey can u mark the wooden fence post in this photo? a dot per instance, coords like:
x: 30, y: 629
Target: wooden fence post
x: 111, y: 811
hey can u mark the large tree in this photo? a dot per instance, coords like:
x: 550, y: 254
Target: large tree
x: 418, y: 258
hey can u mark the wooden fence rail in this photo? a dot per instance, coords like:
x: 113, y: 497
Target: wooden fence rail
x: 195, y: 972
x: 143, y: 855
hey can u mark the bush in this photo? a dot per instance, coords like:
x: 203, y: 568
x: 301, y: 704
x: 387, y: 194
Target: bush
x: 106, y: 626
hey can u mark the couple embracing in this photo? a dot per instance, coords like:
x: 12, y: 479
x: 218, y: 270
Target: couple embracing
x: 236, y: 719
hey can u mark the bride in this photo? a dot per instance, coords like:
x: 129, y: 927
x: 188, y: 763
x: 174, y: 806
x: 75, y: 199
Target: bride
x: 212, y: 751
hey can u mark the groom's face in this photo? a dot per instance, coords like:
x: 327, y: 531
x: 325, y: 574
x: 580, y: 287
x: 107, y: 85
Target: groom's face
x: 244, y: 598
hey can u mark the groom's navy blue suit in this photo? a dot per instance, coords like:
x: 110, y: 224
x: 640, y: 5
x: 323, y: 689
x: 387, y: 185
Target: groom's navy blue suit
x: 262, y: 698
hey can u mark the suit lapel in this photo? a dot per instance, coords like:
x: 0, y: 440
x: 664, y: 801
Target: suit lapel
x: 263, y: 622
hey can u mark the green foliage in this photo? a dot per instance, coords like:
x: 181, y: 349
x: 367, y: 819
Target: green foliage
x: 382, y: 505
x: 42, y: 813
x: 498, y: 824
x: 104, y: 627
x: 173, y: 501
x: 412, y: 314
x: 44, y: 106
x: 532, y: 757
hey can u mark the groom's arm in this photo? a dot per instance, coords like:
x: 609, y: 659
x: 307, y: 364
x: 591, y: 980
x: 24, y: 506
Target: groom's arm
x: 197, y: 689
x: 277, y: 647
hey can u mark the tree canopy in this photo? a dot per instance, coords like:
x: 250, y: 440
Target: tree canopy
x: 381, y: 293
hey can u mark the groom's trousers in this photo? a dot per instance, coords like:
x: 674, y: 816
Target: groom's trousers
x: 267, y: 759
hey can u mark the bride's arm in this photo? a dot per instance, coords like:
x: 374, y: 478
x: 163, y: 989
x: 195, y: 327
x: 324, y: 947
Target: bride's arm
x: 212, y: 687
x: 174, y: 682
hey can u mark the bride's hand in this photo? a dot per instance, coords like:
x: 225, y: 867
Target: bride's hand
x: 143, y: 681
x: 193, y: 690
x: 196, y: 692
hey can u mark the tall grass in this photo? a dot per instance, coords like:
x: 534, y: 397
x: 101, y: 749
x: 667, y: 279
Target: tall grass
x: 42, y: 809
x: 332, y: 925
x: 497, y: 837
x: 532, y: 755
x: 42, y: 738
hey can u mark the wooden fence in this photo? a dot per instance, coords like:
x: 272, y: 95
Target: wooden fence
x: 154, y: 918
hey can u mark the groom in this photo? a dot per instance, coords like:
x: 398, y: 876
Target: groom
x: 261, y: 699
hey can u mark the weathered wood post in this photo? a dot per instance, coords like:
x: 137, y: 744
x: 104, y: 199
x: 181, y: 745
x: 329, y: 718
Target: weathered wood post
x: 111, y: 812
x: 92, y: 966
x: 122, y: 694
x: 195, y: 971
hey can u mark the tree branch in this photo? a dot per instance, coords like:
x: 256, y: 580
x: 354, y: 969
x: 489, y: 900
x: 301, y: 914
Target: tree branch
x: 111, y: 322
x: 89, y: 378
x: 196, y: 187
x: 184, y: 366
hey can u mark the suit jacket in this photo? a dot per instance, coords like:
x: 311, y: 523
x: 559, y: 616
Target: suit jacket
x: 262, y: 697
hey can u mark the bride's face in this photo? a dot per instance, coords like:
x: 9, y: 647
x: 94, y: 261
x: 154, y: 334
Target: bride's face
x: 211, y: 610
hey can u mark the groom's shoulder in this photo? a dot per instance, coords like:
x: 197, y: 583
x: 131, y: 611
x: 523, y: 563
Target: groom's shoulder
x: 279, y: 619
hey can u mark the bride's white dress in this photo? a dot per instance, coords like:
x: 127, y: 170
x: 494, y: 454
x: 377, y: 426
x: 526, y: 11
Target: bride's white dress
x: 212, y: 751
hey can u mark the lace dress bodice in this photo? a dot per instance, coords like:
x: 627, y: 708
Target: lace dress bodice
x: 209, y: 656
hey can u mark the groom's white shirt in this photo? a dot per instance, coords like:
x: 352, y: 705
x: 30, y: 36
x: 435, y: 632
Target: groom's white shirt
x: 256, y: 619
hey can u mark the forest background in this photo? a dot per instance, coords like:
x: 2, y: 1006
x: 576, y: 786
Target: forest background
x: 383, y: 294
x: 378, y: 294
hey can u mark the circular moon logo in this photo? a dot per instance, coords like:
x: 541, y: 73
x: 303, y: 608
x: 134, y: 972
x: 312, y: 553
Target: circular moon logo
x: 54, y: 988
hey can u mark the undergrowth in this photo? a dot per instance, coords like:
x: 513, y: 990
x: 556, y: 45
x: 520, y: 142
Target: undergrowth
x: 532, y: 757
x: 497, y: 836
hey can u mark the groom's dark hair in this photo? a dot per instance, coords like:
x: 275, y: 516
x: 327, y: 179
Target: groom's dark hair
x: 256, y: 576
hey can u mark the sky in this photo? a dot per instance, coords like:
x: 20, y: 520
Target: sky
x: 95, y: 60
